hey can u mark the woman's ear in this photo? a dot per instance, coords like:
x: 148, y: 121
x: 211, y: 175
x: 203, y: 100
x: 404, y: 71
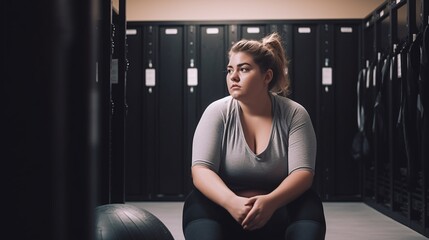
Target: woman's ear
x: 268, y: 76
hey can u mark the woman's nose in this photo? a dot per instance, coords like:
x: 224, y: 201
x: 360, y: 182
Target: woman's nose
x: 234, y: 76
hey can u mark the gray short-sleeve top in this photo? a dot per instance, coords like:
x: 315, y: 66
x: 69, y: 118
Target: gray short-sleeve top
x: 219, y: 144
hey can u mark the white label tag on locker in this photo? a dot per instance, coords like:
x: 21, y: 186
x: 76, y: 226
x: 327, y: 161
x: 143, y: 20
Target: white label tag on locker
x: 304, y: 30
x: 150, y: 77
x: 192, y: 77
x: 212, y: 30
x: 346, y: 29
x: 131, y: 32
x: 171, y: 31
x: 253, y: 30
x: 327, y: 76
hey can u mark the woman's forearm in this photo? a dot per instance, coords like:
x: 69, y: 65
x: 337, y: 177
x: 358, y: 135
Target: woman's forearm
x: 211, y: 185
x: 291, y: 187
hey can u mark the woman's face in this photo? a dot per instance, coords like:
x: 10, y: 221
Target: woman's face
x: 244, y: 77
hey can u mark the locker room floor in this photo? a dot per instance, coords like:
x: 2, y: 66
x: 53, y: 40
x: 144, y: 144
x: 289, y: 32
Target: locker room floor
x: 345, y: 220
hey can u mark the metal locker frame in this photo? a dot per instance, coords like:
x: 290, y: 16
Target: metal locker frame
x: 325, y: 109
x: 149, y: 99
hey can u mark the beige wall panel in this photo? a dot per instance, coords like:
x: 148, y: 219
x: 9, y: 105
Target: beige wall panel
x: 182, y: 10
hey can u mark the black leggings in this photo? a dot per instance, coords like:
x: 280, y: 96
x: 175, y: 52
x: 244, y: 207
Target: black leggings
x: 301, y: 219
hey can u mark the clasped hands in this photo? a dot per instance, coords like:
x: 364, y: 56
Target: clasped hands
x: 252, y: 213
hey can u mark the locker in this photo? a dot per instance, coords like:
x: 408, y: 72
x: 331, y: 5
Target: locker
x: 399, y: 188
x: 304, y: 83
x: 324, y: 107
x: 213, y: 52
x: 346, y: 62
x: 170, y: 114
x: 150, y: 120
x: 193, y: 81
x: 134, y: 118
x: 336, y: 108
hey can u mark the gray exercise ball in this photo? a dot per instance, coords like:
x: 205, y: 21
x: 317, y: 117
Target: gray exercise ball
x: 124, y: 221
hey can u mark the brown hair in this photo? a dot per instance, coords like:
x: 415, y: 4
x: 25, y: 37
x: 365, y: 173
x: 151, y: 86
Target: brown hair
x: 268, y: 54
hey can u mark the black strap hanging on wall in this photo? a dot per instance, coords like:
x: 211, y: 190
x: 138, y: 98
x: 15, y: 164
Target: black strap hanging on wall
x: 377, y: 121
x: 410, y: 107
x: 368, y: 103
x: 360, y: 147
x: 399, y: 88
x: 380, y: 109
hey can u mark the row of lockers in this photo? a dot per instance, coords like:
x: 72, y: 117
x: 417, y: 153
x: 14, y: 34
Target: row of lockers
x: 393, y: 97
x: 176, y: 69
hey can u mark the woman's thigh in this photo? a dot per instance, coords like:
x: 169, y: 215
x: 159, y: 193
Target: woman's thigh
x: 197, y: 208
x: 201, y: 216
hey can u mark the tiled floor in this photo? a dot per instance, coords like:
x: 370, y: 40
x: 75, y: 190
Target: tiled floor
x: 345, y: 221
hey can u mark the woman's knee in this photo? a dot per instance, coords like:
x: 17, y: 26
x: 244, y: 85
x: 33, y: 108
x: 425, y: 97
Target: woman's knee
x: 307, y: 207
x: 306, y: 230
x: 203, y: 229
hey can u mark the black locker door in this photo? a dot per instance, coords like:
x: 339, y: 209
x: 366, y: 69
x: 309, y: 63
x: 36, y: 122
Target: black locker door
x: 213, y: 54
x: 347, y: 177
x: 303, y: 65
x: 170, y: 123
x: 304, y: 79
x: 134, y: 118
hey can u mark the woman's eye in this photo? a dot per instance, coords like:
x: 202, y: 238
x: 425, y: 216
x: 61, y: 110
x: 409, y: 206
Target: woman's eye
x: 229, y: 71
x: 244, y: 69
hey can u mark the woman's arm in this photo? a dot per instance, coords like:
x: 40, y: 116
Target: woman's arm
x: 213, y: 187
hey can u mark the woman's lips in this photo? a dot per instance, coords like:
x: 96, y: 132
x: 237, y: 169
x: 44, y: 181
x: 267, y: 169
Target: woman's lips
x: 235, y: 86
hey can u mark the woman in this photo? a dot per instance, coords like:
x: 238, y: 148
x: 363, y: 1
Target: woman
x: 253, y: 156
